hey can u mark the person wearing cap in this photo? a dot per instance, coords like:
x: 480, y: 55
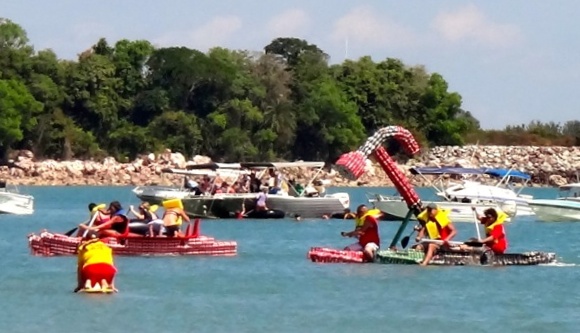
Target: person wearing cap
x: 495, y: 234
x: 95, y: 265
x: 436, y: 223
x: 368, y: 234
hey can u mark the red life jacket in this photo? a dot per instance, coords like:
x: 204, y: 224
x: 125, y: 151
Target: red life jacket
x: 371, y: 235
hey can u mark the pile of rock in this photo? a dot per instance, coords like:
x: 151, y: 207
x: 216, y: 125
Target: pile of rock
x: 546, y: 165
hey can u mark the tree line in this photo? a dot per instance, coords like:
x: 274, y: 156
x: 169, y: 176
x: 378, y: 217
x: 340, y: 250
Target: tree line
x: 286, y: 102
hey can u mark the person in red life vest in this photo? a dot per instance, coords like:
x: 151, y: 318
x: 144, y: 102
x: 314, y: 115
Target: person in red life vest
x: 368, y: 234
x: 436, y: 223
x: 495, y: 238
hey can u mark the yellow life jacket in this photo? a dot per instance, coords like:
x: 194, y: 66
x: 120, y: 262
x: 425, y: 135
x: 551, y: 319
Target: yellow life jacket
x: 284, y: 186
x: 442, y: 218
x: 94, y: 251
x: 359, y: 221
x: 501, y: 217
x: 174, y: 203
x: 98, y: 207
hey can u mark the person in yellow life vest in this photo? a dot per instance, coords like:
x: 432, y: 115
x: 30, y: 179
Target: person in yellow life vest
x: 436, y: 224
x: 360, y: 221
x: 495, y: 238
x: 95, y: 265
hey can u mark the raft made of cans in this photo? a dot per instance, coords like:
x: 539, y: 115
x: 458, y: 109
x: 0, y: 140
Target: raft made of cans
x: 447, y: 258
x: 53, y: 244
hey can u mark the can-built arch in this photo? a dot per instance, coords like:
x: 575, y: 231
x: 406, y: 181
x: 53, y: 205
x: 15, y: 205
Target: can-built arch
x: 351, y: 165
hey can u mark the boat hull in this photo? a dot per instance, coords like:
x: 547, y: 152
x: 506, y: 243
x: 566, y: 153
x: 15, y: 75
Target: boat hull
x: 556, y: 210
x: 51, y: 244
x: 459, y: 212
x: 441, y: 258
x: 225, y: 205
x: 16, y: 204
x: 306, y: 207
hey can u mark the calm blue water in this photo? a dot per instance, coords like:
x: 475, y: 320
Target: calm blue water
x: 271, y: 286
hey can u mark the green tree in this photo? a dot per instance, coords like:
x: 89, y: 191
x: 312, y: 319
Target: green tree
x: 292, y: 49
x: 18, y: 111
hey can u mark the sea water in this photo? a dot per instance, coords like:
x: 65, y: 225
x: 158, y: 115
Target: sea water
x: 270, y: 286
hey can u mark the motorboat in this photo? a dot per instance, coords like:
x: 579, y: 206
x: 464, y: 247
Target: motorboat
x: 468, y: 190
x: 309, y: 201
x: 199, y: 203
x: 13, y: 202
x: 395, y: 209
x: 459, y: 196
x: 566, y: 207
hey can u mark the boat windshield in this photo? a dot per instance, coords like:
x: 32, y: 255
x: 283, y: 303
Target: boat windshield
x: 569, y: 191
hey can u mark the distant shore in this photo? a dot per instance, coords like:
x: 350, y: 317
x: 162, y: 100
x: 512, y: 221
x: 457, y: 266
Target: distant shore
x: 548, y: 166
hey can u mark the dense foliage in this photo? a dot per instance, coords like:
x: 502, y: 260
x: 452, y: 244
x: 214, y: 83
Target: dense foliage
x: 287, y: 102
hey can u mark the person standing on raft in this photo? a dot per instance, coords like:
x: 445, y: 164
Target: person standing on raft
x: 495, y: 238
x: 368, y: 234
x: 436, y: 223
x: 95, y: 265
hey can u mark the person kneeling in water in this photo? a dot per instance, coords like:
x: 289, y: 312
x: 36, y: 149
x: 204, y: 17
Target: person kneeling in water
x: 368, y: 234
x: 95, y: 265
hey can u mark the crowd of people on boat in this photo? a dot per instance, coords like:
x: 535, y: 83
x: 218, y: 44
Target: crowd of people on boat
x: 434, y: 223
x: 272, y: 180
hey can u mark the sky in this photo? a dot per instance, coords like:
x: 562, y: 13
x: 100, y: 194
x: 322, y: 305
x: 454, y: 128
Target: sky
x: 511, y: 61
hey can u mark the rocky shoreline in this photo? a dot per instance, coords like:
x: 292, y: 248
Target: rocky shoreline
x: 548, y: 166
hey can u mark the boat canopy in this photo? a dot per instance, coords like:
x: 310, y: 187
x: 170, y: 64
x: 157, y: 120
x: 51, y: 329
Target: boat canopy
x: 196, y: 172
x: 279, y: 165
x: 446, y: 170
x: 501, y: 173
x: 213, y: 166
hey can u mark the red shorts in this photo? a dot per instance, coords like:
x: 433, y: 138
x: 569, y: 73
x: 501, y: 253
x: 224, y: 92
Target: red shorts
x: 98, y: 272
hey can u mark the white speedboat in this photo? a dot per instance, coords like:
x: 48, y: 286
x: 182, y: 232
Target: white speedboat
x: 459, y: 196
x: 395, y: 208
x: 12, y: 202
x: 566, y: 207
x: 501, y: 193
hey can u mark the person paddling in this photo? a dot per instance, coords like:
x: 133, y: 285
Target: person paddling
x: 95, y: 265
x: 495, y: 234
x: 116, y: 226
x: 436, y: 223
x: 368, y: 234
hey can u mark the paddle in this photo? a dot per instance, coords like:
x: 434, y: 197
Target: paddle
x: 440, y: 242
x: 90, y: 224
x: 405, y: 240
x: 476, y: 221
x: 72, y: 231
